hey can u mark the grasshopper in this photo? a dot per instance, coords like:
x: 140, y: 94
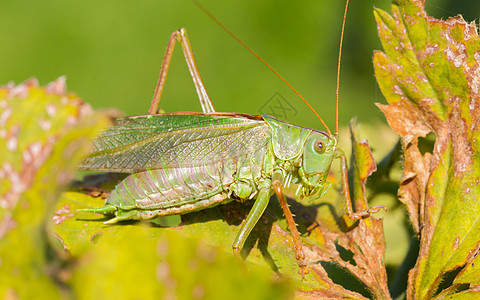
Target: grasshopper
x: 184, y: 162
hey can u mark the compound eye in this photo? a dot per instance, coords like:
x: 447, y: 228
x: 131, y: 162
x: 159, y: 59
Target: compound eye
x: 319, y: 146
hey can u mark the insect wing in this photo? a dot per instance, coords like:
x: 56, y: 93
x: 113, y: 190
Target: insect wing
x: 170, y: 140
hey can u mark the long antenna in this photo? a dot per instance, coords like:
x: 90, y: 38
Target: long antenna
x: 261, y: 60
x: 338, y: 68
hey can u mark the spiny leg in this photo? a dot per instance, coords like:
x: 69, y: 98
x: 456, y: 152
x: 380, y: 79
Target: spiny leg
x: 297, y: 243
x: 346, y: 191
x: 181, y: 37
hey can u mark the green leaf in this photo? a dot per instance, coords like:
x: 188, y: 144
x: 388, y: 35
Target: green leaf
x: 142, y: 265
x: 44, y: 133
x: 429, y: 75
x: 194, y: 259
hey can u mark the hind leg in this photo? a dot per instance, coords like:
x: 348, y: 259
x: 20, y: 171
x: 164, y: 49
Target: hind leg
x: 181, y: 37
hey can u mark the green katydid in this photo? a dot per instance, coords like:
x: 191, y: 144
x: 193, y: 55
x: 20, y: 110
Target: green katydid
x: 183, y: 162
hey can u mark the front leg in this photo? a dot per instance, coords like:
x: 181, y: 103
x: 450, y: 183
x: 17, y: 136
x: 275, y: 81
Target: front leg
x: 257, y: 211
x: 253, y: 216
x: 346, y: 192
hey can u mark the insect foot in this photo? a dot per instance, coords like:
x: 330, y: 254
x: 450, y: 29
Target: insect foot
x: 366, y: 213
x: 95, y: 192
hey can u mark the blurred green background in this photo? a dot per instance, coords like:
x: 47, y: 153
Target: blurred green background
x: 111, y: 52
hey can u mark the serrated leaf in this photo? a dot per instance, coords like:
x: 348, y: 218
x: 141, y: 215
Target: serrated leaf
x: 44, y: 133
x: 429, y: 75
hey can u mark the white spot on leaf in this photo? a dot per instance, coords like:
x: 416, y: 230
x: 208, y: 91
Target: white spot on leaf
x: 19, y: 91
x: 27, y: 157
x: 397, y: 90
x: 51, y: 110
x: 12, y: 143
x: 70, y: 121
x: 35, y: 148
x: 62, y: 214
x: 5, y: 116
x: 58, y: 86
x: 45, y: 124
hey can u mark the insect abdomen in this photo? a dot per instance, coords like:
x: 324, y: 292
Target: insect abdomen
x: 180, y: 190
x: 168, y: 189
